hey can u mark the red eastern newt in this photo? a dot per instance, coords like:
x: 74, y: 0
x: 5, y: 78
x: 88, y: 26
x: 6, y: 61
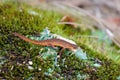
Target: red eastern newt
x: 50, y: 42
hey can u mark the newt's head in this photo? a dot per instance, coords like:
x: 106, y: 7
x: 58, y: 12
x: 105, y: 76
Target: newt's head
x: 74, y: 47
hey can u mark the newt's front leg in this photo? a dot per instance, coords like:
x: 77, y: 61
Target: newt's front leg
x: 60, y: 52
x: 54, y: 47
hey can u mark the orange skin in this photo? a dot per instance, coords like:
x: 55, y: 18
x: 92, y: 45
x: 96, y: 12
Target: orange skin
x: 50, y: 42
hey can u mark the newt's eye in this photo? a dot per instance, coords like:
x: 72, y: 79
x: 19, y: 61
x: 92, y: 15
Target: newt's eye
x: 75, y: 47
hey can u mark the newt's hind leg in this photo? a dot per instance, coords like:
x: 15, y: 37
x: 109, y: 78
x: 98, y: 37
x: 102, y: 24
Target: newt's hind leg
x: 61, y: 51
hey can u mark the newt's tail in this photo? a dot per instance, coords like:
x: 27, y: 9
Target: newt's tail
x: 24, y: 38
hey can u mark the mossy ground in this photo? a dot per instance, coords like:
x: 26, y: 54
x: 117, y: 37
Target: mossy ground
x: 16, y: 53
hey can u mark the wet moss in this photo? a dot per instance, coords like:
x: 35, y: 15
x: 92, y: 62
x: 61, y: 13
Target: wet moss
x: 18, y: 53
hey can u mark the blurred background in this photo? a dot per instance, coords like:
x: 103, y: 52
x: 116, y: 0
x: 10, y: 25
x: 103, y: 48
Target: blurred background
x: 105, y: 11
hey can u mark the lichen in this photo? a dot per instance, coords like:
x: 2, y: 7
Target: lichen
x: 16, y: 53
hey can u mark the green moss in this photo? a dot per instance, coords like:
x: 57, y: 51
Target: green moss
x: 108, y: 68
x: 18, y: 53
